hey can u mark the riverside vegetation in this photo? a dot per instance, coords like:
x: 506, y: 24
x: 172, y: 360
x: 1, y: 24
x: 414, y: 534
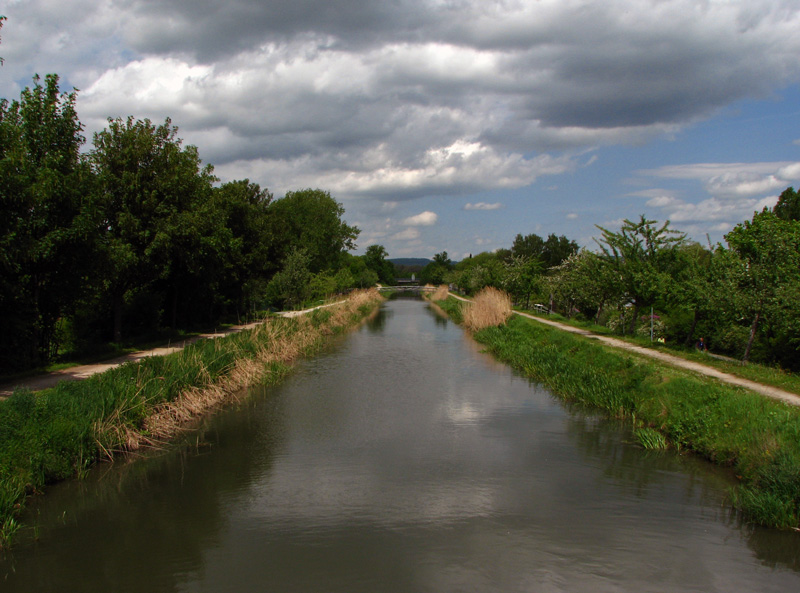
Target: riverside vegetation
x: 60, y: 432
x: 757, y: 437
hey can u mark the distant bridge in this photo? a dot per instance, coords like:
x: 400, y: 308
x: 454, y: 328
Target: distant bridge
x: 407, y: 288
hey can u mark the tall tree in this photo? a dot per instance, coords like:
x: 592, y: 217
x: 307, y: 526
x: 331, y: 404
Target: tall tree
x: 148, y: 185
x: 46, y: 231
x: 312, y: 220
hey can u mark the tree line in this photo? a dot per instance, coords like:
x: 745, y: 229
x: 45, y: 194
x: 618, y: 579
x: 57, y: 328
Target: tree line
x: 648, y: 279
x: 135, y: 234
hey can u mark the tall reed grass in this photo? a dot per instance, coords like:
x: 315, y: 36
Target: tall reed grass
x: 756, y: 436
x: 490, y: 307
x: 58, y: 433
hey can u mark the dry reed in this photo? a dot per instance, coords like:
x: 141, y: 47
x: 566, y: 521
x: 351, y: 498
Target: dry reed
x: 441, y: 293
x: 490, y: 308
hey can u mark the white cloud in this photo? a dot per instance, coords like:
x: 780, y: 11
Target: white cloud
x: 426, y: 218
x: 483, y: 206
x: 572, y: 216
x: 407, y: 235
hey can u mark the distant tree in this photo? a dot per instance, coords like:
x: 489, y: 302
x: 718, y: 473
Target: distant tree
x: 375, y: 258
x: 549, y: 253
x: 436, y: 271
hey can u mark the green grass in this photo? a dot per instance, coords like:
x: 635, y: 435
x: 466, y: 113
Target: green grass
x: 774, y: 377
x: 757, y: 437
x: 58, y: 433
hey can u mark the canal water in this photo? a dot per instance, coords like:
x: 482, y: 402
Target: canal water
x: 401, y: 460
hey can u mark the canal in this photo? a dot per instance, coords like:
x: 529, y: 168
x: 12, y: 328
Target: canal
x: 402, y: 459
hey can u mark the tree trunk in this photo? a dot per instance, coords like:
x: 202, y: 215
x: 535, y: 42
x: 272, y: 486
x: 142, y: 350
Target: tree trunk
x: 752, y: 337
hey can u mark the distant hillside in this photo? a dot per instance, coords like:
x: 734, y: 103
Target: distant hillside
x: 411, y: 262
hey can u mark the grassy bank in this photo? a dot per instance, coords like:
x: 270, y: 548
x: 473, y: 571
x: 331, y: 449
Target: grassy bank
x: 772, y: 376
x: 758, y: 437
x: 59, y: 433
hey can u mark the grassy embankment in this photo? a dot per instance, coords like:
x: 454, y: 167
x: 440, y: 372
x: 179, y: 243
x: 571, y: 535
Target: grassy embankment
x: 766, y: 375
x: 668, y: 407
x: 59, y: 433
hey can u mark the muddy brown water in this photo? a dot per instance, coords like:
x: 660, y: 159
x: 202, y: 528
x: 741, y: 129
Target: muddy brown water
x: 402, y: 459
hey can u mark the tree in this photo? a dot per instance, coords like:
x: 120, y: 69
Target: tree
x: 375, y: 258
x: 585, y: 283
x: 311, y: 219
x: 148, y: 189
x: 642, y: 256
x: 290, y: 287
x: 47, y: 229
x: 436, y: 271
x: 522, y: 278
x: 252, y: 260
x: 769, y: 247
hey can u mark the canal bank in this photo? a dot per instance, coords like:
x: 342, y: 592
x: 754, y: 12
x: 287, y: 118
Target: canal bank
x: 732, y: 426
x: 60, y: 432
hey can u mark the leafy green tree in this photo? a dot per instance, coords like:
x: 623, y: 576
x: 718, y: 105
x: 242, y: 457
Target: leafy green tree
x: 148, y: 187
x: 290, y: 287
x: 643, y: 257
x: 436, y: 272
x: 584, y: 282
x: 549, y: 253
x: 476, y: 272
x: 312, y: 220
x: 243, y: 207
x: 522, y: 278
x: 47, y: 229
x: 375, y: 258
x: 769, y: 246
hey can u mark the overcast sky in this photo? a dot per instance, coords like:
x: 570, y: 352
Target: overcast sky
x: 450, y: 124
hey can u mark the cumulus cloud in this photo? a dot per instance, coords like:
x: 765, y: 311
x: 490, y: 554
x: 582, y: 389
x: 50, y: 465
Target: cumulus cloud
x: 395, y: 101
x: 426, y: 218
x: 410, y: 98
x: 483, y: 206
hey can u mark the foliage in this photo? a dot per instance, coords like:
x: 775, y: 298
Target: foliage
x: 312, y: 220
x: 375, y: 260
x: 47, y: 230
x: 641, y: 256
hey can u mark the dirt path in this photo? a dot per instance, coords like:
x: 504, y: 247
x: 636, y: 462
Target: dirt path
x: 47, y: 380
x: 767, y: 390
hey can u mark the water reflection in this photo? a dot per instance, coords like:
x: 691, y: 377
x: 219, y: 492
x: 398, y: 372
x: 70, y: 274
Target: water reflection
x: 403, y: 460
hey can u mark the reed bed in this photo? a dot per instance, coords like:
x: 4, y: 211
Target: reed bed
x: 490, y: 307
x: 58, y: 433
